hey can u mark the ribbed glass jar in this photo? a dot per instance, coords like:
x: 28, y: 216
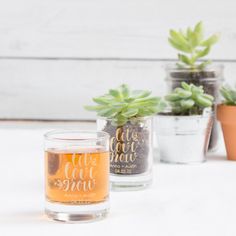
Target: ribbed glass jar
x: 210, y: 78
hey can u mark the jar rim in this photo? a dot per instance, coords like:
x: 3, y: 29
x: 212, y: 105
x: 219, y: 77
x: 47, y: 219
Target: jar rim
x: 67, y: 135
x: 133, y: 118
x: 213, y: 66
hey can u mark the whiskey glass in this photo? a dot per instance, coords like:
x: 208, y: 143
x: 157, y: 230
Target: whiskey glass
x: 76, y: 175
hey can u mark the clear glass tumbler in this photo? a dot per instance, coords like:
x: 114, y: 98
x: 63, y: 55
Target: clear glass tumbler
x: 76, y: 175
x: 131, y: 152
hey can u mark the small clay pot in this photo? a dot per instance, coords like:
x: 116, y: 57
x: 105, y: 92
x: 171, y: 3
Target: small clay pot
x: 227, y: 117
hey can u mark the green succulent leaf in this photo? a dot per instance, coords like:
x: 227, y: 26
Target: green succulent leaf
x: 186, y: 86
x: 198, y: 30
x: 203, y: 53
x: 229, y: 95
x: 211, y: 40
x: 172, y: 97
x: 204, y: 64
x: 189, y: 100
x: 192, y: 45
x: 182, y: 93
x: 184, y: 59
x: 125, y: 90
x: 122, y: 104
x: 140, y: 94
x: 101, y: 100
x: 187, y: 104
x: 115, y: 93
x: 130, y: 112
x: 107, y: 112
x: 203, y: 101
x: 178, y: 46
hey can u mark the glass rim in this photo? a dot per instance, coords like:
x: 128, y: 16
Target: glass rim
x: 133, y: 118
x: 213, y: 66
x: 52, y: 135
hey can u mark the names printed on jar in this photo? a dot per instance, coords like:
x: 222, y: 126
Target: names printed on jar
x: 123, y: 147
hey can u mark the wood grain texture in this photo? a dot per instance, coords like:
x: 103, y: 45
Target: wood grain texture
x: 58, y: 89
x: 109, y: 29
x: 57, y: 54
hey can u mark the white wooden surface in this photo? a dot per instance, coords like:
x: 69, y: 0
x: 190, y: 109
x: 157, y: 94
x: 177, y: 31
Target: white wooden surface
x: 184, y: 200
x: 57, y: 54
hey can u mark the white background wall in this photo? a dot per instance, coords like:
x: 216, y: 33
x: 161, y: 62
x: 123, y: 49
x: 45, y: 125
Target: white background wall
x: 57, y: 54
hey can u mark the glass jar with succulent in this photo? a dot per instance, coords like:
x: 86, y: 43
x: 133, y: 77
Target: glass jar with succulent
x: 226, y: 114
x: 183, y: 131
x: 192, y: 67
x: 126, y: 115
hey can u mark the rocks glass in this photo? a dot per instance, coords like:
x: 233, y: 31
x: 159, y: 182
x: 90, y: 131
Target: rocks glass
x: 76, y: 175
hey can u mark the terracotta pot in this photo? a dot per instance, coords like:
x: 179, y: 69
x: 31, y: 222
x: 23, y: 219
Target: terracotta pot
x: 227, y: 116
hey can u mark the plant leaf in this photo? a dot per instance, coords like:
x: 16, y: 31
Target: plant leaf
x: 187, y: 104
x: 136, y: 94
x: 198, y: 30
x: 125, y: 90
x: 178, y: 46
x: 114, y: 93
x: 211, y: 40
x: 184, y: 59
x: 203, y: 53
x: 130, y: 112
x: 182, y: 93
x: 101, y: 100
x: 204, y: 102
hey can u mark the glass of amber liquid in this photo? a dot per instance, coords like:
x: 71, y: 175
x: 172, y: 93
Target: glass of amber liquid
x: 76, y: 175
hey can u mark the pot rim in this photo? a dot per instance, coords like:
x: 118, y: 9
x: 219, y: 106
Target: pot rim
x: 225, y: 105
x: 186, y: 116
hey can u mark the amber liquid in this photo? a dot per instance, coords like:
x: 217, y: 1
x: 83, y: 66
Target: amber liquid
x: 77, y: 177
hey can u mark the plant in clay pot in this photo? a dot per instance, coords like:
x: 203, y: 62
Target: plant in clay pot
x: 192, y: 67
x: 226, y: 114
x: 126, y: 115
x: 183, y: 131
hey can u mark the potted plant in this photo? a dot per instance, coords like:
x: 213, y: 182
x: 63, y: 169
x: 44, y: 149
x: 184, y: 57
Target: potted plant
x: 192, y: 48
x: 183, y: 132
x: 226, y: 114
x: 126, y: 116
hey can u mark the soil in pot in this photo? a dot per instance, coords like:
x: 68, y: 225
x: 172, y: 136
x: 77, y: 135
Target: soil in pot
x: 210, y: 83
x: 129, y: 148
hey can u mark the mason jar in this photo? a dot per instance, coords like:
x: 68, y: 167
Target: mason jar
x: 131, y: 152
x: 210, y: 78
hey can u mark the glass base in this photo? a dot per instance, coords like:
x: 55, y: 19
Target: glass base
x: 75, y: 213
x: 182, y: 162
x: 130, y: 182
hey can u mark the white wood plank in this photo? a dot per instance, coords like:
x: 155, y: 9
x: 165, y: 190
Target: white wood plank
x: 58, y: 89
x: 105, y: 28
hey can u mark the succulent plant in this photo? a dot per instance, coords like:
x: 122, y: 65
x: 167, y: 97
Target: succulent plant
x: 189, y: 100
x: 192, y: 46
x: 122, y: 104
x: 229, y: 95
